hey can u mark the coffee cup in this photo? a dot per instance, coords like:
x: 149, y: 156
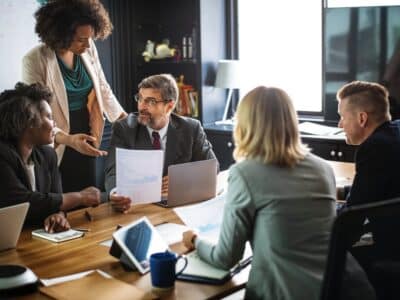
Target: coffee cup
x: 163, y: 269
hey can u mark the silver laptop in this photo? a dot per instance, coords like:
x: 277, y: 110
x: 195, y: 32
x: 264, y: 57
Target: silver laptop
x: 11, y: 221
x: 191, y: 182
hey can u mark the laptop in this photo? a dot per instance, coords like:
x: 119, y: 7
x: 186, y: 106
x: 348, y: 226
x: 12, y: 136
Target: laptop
x: 191, y: 182
x: 11, y: 221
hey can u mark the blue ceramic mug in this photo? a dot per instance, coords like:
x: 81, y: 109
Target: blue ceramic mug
x: 163, y: 269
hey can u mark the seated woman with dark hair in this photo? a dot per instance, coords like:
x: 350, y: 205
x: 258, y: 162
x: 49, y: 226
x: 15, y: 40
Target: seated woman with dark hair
x: 28, y: 166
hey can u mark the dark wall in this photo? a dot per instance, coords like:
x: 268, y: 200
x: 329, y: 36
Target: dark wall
x: 121, y: 53
x: 115, y: 55
x: 213, y: 47
x: 104, y: 49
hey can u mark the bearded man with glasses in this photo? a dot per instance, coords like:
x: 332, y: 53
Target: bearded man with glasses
x: 155, y: 126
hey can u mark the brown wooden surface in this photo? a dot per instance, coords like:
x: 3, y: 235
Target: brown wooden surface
x: 48, y: 260
x: 343, y: 169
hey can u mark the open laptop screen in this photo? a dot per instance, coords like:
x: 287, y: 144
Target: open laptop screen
x: 191, y: 182
x: 11, y: 221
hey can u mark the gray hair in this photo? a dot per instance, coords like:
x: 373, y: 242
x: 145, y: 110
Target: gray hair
x: 165, y: 83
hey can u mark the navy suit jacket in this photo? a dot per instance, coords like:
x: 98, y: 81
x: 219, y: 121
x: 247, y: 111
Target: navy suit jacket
x: 377, y: 179
x: 186, y: 142
x: 16, y: 188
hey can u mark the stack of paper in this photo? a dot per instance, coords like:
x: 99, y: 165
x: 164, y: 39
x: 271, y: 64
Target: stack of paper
x: 94, y: 286
x: 317, y: 129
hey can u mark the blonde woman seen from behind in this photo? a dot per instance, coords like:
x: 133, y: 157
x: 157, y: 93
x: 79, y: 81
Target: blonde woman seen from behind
x: 280, y: 198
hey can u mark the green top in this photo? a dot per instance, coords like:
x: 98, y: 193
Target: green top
x: 77, y: 83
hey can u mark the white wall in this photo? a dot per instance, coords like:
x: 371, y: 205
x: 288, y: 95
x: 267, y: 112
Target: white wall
x: 17, y: 36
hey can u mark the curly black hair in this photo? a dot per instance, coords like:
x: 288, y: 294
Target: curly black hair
x: 21, y: 108
x: 56, y: 21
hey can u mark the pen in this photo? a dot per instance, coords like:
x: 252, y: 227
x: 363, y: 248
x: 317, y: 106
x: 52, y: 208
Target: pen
x: 82, y: 229
x: 243, y: 264
x: 88, y: 216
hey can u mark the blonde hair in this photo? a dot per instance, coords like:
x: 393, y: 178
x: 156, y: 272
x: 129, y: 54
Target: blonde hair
x: 266, y: 128
x: 370, y: 97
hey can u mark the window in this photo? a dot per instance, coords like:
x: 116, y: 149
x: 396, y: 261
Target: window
x: 280, y: 44
x: 362, y: 43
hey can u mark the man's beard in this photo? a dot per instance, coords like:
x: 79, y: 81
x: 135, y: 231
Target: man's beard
x: 145, y: 118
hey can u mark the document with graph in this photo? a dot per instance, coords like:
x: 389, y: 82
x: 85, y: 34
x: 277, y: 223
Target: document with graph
x: 204, y: 217
x: 139, y: 174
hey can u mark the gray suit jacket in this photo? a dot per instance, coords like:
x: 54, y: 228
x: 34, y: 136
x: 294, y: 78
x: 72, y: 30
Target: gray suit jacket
x: 286, y: 214
x: 186, y: 142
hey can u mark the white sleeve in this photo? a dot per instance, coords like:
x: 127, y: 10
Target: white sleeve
x: 112, y: 108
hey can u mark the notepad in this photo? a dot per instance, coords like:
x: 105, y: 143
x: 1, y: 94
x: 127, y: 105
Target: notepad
x: 198, y: 267
x: 198, y: 270
x: 58, y: 237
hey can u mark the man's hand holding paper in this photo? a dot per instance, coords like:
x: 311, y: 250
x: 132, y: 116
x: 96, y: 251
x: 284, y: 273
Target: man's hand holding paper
x: 120, y: 203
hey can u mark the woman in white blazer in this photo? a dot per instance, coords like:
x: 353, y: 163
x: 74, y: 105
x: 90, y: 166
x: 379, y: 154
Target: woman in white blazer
x: 67, y: 62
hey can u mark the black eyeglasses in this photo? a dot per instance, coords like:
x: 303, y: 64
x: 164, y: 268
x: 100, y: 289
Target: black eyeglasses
x: 148, y: 101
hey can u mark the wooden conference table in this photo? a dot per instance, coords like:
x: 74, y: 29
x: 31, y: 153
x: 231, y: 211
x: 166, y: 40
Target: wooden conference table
x: 48, y: 260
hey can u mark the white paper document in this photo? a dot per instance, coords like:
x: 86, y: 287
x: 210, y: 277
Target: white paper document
x: 139, y: 174
x: 317, y: 129
x: 171, y: 232
x: 56, y: 280
x: 205, y: 217
x: 106, y: 243
x: 343, y: 181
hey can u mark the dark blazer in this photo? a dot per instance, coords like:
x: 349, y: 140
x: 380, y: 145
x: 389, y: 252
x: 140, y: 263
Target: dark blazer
x: 16, y: 188
x: 377, y: 179
x: 186, y: 142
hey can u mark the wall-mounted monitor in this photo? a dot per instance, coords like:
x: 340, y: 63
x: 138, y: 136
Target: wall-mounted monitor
x: 361, y: 43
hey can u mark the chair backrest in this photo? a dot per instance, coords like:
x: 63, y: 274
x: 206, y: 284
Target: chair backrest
x: 346, y: 226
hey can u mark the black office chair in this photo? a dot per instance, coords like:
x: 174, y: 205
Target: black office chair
x: 345, y: 228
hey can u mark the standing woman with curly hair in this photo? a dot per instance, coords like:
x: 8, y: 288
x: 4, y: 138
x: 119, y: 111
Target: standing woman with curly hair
x: 67, y: 62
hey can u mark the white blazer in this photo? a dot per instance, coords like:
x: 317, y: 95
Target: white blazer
x: 40, y: 65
